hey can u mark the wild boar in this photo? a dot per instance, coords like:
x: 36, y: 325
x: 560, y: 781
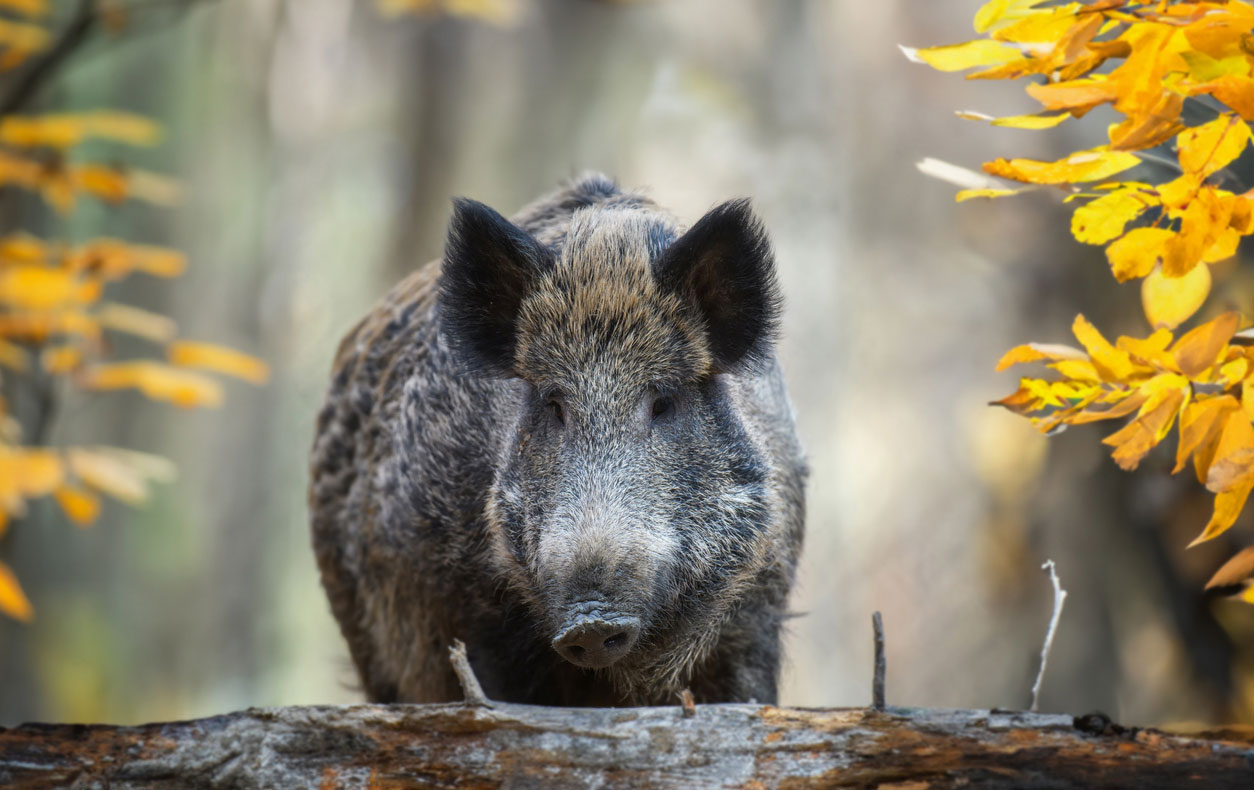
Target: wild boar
x: 569, y: 444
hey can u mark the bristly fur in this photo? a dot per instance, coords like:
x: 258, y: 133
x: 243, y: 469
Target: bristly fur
x: 491, y: 454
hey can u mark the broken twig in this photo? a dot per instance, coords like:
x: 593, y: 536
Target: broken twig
x: 466, y: 676
x: 688, y: 703
x: 877, y: 682
x: 1060, y: 596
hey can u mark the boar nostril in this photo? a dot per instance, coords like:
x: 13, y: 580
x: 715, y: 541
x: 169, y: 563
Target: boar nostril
x: 596, y: 641
x: 615, y: 640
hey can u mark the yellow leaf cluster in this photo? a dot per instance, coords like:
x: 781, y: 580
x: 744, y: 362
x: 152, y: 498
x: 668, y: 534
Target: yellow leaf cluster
x: 1202, y: 380
x: 55, y: 321
x: 1170, y: 51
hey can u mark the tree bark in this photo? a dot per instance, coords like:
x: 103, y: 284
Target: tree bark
x: 517, y: 746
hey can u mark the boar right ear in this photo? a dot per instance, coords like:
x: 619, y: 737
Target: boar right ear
x: 724, y: 264
x: 490, y: 265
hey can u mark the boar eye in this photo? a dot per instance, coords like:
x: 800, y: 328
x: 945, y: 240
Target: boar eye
x: 557, y: 410
x: 662, y: 406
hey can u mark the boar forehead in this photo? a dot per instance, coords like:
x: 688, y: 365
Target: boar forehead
x: 600, y: 316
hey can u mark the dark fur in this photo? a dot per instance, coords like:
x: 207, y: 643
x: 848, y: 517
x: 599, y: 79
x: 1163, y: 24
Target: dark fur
x: 581, y: 404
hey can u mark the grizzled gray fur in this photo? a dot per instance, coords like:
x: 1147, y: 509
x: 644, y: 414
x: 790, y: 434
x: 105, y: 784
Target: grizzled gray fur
x: 568, y: 444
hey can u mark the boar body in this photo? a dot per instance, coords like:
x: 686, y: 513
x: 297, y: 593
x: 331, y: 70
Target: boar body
x: 567, y: 443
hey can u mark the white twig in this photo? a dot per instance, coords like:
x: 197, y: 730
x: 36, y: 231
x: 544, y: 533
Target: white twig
x: 1060, y: 596
x: 466, y: 676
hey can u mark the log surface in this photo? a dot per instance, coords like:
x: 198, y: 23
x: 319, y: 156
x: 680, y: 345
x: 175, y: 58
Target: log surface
x: 519, y: 746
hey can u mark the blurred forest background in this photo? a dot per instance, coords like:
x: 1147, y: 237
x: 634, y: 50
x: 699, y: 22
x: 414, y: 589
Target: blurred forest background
x: 319, y: 142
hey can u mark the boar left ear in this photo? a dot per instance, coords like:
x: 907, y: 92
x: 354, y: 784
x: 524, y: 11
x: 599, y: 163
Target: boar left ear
x: 490, y: 265
x: 725, y: 264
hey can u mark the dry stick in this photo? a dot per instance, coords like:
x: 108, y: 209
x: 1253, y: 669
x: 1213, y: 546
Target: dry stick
x: 466, y: 676
x: 1060, y: 596
x: 688, y: 703
x: 877, y: 683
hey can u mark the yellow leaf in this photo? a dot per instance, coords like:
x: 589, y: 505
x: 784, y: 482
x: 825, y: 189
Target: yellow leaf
x: 1152, y: 422
x: 106, y: 472
x: 22, y: 248
x: 1125, y: 407
x: 1170, y: 301
x: 1104, y: 218
x: 1224, y: 247
x: 999, y: 13
x: 27, y: 7
x: 1152, y: 351
x: 1179, y: 192
x: 13, y: 601
x: 1201, y: 423
x: 1080, y: 369
x: 37, y: 326
x: 134, y: 321
x: 1034, y: 352
x: 1151, y: 125
x: 1228, y: 506
x: 1212, y: 146
x: 1031, y: 121
x: 42, y: 288
x: 1113, y: 364
x: 1235, y: 91
x: 1233, y: 462
x: 112, y: 259
x: 1234, y: 371
x: 26, y: 473
x: 956, y: 57
x: 13, y: 356
x: 1201, y: 347
x: 1077, y: 95
x: 109, y: 184
x: 1204, y: 220
x: 22, y: 40
x: 1203, y: 67
x: 123, y: 127
x: 1045, y: 27
x: 1247, y: 396
x: 1079, y: 167
x: 968, y: 194
x: 156, y: 381
x: 219, y: 359
x: 81, y: 507
x: 61, y: 359
x: 1239, y: 568
x: 1137, y: 253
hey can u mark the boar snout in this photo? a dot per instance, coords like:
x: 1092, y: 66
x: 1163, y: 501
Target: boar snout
x: 595, y: 635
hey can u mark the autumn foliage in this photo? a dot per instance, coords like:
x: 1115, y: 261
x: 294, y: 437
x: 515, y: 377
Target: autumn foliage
x: 1144, y: 60
x: 56, y: 320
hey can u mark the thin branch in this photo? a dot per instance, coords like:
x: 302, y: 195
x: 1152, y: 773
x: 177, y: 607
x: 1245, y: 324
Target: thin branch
x: 1060, y: 597
x: 881, y: 664
x: 466, y: 675
x: 688, y: 704
x: 84, y: 21
x: 75, y: 33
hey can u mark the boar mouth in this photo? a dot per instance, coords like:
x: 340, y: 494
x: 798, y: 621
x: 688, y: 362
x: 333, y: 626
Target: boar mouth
x: 595, y: 635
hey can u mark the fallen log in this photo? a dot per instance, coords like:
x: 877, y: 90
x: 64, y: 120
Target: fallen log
x: 505, y: 745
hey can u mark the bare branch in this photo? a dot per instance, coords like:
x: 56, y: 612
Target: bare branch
x: 881, y: 664
x: 1060, y: 596
x: 466, y: 675
x: 688, y: 703
x: 75, y: 33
